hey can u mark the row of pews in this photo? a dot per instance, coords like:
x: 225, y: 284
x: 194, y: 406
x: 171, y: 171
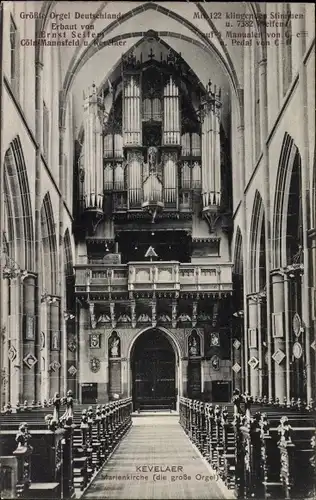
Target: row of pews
x: 260, y: 449
x: 56, y: 453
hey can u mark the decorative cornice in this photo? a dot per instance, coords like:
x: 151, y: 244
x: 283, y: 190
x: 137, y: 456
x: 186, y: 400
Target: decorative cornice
x: 119, y: 229
x: 121, y: 297
x: 206, y: 240
x: 91, y: 239
x: 136, y: 215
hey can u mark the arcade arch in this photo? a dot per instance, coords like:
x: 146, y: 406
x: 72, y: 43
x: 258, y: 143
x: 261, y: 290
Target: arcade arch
x: 155, y: 341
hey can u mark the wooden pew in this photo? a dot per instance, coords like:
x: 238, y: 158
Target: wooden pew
x: 67, y: 449
x: 263, y: 455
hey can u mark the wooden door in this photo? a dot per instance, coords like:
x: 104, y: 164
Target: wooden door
x: 154, y: 374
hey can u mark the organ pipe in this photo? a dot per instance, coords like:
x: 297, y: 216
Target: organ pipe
x: 135, y: 160
x: 93, y: 151
x: 211, y: 166
x: 204, y: 160
x: 170, y: 177
x: 218, y: 161
x: 131, y: 109
x: 171, y: 134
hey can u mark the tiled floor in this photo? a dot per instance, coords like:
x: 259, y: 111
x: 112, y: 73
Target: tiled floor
x: 156, y: 440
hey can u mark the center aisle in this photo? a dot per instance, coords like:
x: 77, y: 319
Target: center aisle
x: 156, y: 460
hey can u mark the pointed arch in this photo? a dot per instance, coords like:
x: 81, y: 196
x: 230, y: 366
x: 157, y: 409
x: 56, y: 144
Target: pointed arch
x: 68, y: 271
x: 68, y: 260
x: 238, y: 283
x: 9, y: 229
x: 256, y: 245
x: 112, y: 70
x: 178, y: 348
x: 77, y: 62
x: 238, y: 254
x: 286, y: 162
x: 49, y: 246
x: 18, y: 204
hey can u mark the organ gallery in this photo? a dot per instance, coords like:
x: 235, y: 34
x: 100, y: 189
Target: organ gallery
x: 153, y: 228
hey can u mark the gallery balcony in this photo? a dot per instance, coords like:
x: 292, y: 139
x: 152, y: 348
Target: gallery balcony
x: 104, y: 281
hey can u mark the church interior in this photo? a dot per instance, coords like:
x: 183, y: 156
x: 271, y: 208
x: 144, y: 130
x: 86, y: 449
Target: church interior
x: 158, y: 202
x: 158, y: 249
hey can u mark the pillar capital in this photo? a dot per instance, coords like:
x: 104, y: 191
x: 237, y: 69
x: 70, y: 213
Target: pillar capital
x: 252, y: 299
x: 279, y: 272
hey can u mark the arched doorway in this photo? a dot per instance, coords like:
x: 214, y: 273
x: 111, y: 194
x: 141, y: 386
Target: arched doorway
x: 153, y: 366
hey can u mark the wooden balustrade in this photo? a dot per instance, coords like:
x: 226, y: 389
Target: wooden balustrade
x: 259, y: 454
x: 162, y: 275
x: 70, y: 448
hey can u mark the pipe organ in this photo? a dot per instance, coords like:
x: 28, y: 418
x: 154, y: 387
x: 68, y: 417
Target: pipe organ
x: 157, y: 148
x: 93, y: 152
x: 211, y: 150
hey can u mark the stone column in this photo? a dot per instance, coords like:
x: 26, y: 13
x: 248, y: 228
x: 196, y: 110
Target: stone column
x: 288, y: 329
x: 63, y: 335
x: 298, y: 49
x: 16, y: 329
x: 204, y: 375
x: 45, y: 389
x: 253, y: 345
x: 29, y: 359
x: 259, y: 340
x: 2, y: 263
x: 61, y: 264
x: 242, y: 170
x: 312, y: 235
x: 38, y: 202
x: 54, y: 346
x: 71, y: 347
x: 129, y: 378
x: 263, y: 86
x: 41, y: 365
x: 247, y: 113
x: 5, y: 342
x: 184, y: 370
x: 124, y: 377
x: 278, y: 335
x: 82, y: 358
x: 106, y: 374
x: 236, y: 356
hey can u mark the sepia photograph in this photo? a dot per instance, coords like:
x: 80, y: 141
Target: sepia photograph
x: 158, y: 250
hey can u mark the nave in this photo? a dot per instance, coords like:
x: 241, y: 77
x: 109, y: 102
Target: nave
x: 250, y: 448
x: 156, y: 442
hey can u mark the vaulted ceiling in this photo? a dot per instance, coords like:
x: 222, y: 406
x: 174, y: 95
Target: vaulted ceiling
x: 192, y: 29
